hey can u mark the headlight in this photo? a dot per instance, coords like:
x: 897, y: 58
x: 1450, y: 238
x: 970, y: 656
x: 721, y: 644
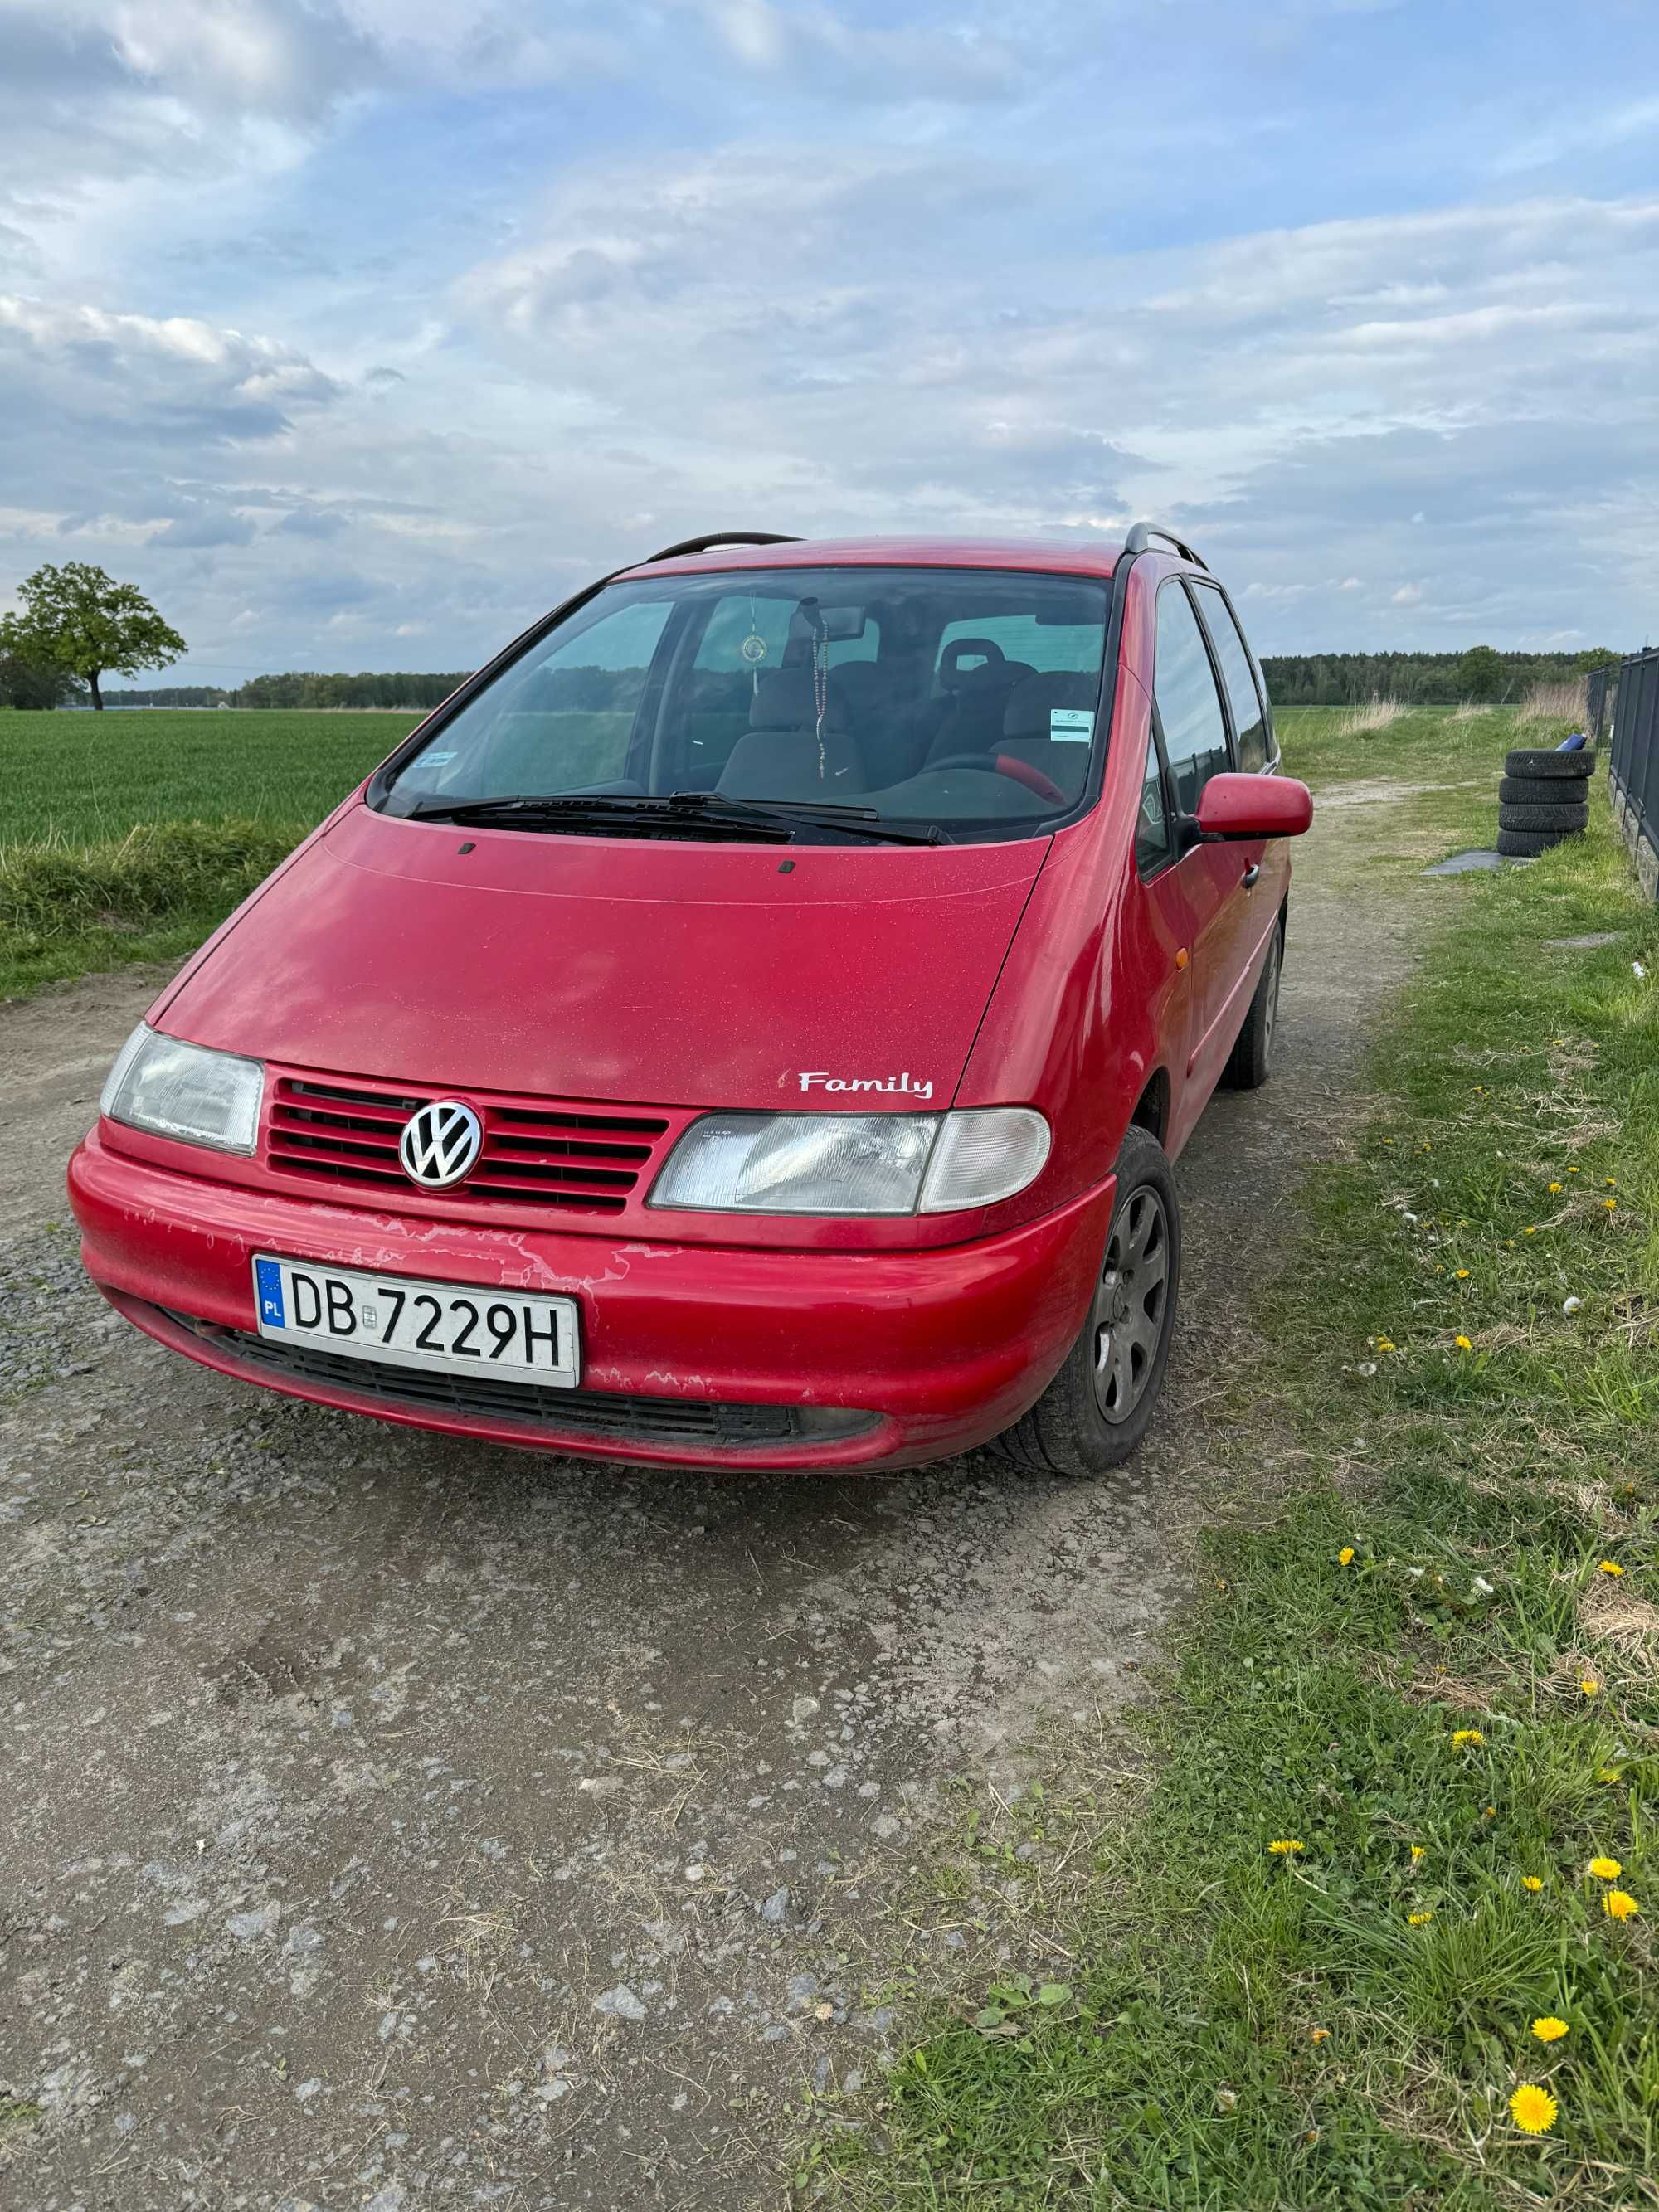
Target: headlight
x: 852, y: 1163
x: 185, y: 1091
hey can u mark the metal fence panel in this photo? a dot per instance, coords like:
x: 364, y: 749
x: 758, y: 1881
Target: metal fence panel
x: 1634, y: 763
x: 1596, y: 704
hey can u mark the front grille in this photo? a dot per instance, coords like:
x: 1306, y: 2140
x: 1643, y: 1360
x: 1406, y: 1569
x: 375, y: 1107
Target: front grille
x: 614, y: 1415
x: 535, y: 1152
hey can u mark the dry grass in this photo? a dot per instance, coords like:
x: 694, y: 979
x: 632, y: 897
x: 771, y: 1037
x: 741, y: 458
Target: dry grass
x: 1375, y: 714
x: 1469, y: 712
x: 1561, y: 702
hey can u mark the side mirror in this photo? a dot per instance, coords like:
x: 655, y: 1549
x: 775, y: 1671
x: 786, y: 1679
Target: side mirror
x: 1241, y: 807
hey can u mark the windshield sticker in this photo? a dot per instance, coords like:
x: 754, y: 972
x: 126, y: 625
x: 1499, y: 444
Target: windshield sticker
x: 901, y: 1085
x: 438, y: 760
x: 1071, y: 725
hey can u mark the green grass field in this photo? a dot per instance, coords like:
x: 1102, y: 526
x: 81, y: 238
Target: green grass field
x: 86, y: 778
x: 1393, y: 1809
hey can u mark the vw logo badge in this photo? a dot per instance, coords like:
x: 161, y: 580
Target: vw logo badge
x: 440, y: 1143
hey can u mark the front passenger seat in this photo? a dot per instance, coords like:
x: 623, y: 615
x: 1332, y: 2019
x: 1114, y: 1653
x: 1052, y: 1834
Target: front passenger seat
x: 778, y: 756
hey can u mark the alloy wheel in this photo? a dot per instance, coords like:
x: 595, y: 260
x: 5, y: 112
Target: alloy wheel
x: 1132, y: 1306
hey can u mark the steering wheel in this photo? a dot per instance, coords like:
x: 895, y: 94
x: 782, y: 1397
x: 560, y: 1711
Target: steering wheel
x: 1017, y: 771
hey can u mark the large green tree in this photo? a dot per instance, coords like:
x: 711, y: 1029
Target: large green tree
x: 80, y: 620
x: 1479, y: 672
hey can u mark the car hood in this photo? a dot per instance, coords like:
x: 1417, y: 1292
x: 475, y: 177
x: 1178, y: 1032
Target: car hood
x: 617, y: 969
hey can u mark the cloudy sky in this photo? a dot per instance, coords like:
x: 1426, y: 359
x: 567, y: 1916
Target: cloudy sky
x: 358, y: 331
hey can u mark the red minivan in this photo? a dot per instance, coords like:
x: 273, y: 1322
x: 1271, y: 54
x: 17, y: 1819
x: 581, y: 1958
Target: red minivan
x: 749, y: 1025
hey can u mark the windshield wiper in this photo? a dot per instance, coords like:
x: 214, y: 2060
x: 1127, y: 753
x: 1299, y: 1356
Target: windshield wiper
x: 857, y: 821
x: 781, y: 817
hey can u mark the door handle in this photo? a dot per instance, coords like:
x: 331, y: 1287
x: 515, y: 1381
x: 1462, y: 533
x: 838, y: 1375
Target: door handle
x: 1252, y: 875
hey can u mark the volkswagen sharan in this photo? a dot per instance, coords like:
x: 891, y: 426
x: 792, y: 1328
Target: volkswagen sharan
x: 748, y: 1025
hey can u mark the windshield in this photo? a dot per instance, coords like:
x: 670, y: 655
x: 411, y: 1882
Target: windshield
x: 958, y: 700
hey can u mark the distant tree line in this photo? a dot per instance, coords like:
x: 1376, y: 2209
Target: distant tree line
x: 1482, y: 674
x: 1319, y: 679
x: 373, y: 688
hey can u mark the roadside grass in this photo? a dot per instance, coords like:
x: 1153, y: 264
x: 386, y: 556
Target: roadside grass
x: 89, y: 778
x: 68, y: 910
x: 1435, y: 769
x: 1418, y: 1666
x: 130, y: 835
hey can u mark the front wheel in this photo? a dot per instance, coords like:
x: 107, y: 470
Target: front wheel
x: 1094, y: 1413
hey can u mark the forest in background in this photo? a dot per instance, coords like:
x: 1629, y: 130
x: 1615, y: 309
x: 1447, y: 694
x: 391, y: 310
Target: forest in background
x: 1313, y: 679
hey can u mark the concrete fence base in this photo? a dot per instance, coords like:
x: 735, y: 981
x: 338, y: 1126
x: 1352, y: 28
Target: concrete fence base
x: 1637, y: 835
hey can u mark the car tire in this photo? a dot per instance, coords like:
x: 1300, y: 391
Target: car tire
x: 1527, y: 844
x: 1250, y: 1061
x: 1543, y: 817
x: 1534, y: 791
x: 1544, y: 761
x: 1094, y: 1415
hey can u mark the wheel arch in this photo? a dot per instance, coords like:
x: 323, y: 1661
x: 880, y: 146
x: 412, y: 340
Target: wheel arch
x: 1152, y: 1107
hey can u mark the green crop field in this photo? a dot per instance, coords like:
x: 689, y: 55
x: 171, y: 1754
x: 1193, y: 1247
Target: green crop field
x: 86, y: 778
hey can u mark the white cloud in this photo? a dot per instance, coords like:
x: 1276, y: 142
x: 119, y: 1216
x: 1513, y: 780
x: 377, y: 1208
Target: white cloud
x: 543, y: 282
x: 934, y: 56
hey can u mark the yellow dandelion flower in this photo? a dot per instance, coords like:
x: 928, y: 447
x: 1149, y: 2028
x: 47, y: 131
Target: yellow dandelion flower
x: 1385, y: 1344
x: 1604, y: 1869
x: 1533, y: 1231
x: 1492, y: 1812
x: 1572, y: 1171
x: 1463, y: 1344
x: 1417, y: 1853
x: 1531, y: 1881
x: 1419, y: 1919
x: 1548, y: 2028
x: 1284, y: 1847
x: 1554, y: 1187
x: 1462, y: 1274
x: 1467, y: 1735
x: 1619, y: 1905
x: 1345, y: 1557
x: 1611, y: 1183
x: 1590, y: 1687
x: 1533, y: 2109
x: 1319, y: 2035
x: 1608, y: 1567
x: 1609, y: 1773
x: 1611, y: 1203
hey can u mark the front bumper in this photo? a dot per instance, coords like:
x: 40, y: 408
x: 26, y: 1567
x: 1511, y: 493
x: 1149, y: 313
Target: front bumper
x: 887, y: 1359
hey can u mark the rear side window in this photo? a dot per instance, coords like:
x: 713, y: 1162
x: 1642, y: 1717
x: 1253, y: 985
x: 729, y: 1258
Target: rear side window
x: 1249, y: 720
x: 1153, y: 845
x: 1189, y: 704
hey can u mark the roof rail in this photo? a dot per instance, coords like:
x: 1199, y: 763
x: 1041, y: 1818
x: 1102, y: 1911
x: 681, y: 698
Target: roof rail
x: 722, y: 538
x: 1139, y: 532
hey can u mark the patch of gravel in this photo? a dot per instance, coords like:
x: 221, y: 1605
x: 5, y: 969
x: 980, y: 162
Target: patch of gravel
x: 393, y: 1821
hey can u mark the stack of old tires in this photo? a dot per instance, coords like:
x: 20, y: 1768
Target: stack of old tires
x: 1544, y: 797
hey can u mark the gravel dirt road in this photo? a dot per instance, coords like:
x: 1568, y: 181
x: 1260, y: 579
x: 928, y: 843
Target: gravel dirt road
x: 391, y: 1824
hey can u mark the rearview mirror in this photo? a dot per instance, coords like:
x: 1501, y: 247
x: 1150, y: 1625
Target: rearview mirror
x: 1241, y: 806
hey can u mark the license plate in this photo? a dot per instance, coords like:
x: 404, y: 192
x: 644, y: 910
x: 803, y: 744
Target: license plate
x: 514, y: 1335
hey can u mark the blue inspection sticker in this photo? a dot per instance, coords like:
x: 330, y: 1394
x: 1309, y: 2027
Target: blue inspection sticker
x: 268, y: 1277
